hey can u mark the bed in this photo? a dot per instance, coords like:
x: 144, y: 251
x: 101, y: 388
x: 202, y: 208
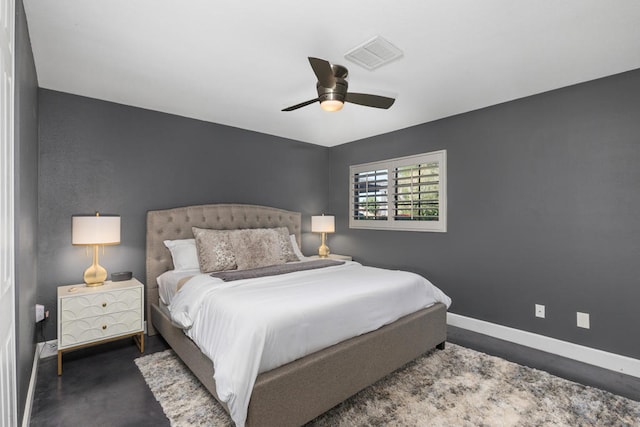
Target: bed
x: 299, y: 391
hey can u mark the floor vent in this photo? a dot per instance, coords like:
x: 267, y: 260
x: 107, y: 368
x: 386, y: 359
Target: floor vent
x: 373, y: 53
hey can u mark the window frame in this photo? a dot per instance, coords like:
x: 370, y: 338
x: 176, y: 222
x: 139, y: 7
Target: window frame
x: 390, y: 223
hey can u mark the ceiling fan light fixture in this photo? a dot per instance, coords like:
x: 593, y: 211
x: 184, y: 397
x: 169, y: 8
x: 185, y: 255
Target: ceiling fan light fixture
x: 333, y: 89
x: 331, y: 105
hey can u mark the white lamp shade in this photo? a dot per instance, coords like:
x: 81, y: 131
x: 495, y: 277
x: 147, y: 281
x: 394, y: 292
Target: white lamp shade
x: 95, y: 230
x: 323, y: 224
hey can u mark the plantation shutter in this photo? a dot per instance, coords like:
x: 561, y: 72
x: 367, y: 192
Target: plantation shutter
x: 407, y: 193
x: 416, y: 192
x: 370, y: 200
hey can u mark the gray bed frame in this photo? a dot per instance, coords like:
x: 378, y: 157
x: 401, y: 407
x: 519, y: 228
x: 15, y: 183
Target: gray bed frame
x: 299, y: 391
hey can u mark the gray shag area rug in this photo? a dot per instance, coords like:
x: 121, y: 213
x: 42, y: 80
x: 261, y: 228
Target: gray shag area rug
x: 453, y: 387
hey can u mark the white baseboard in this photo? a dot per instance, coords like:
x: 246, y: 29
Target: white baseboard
x: 43, y: 350
x: 592, y: 356
x: 26, y: 417
x: 48, y: 349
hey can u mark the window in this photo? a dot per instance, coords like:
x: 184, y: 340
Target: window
x: 407, y: 193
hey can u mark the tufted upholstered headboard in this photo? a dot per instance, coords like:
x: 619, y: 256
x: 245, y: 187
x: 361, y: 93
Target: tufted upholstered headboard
x: 176, y: 223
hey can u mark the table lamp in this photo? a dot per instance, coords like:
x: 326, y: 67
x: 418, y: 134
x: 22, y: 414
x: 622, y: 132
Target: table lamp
x: 95, y: 230
x: 323, y: 224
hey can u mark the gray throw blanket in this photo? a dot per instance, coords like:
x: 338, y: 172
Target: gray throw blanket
x: 274, y: 270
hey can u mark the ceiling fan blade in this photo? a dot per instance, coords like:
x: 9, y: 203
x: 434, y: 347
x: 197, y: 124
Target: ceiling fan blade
x: 302, y: 104
x: 365, y: 99
x: 323, y: 72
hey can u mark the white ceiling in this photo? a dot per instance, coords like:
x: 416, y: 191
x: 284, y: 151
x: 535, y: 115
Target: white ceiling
x: 239, y: 63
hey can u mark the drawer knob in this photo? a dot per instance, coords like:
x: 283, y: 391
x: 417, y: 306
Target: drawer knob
x: 104, y: 304
x: 104, y: 327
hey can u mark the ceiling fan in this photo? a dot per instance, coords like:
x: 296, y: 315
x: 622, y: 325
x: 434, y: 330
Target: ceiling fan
x: 332, y: 89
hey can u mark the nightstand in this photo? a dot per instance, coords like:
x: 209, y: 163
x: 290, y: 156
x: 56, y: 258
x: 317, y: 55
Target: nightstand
x: 335, y: 256
x: 94, y: 315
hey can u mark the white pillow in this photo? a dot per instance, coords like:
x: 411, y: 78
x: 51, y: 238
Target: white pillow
x: 296, y: 249
x: 184, y: 254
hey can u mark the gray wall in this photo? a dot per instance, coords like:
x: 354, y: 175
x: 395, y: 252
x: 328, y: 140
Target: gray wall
x: 26, y: 192
x: 101, y: 156
x: 544, y: 195
x: 543, y: 199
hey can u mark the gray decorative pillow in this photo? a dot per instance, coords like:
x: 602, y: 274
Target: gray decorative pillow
x: 256, y: 248
x: 285, y: 245
x: 215, y: 252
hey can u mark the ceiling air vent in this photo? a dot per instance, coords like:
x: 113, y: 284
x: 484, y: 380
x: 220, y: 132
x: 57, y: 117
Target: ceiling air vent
x: 373, y: 53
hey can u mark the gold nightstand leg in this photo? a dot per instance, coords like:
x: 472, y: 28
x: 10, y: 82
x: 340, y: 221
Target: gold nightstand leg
x: 139, y: 339
x: 59, y: 362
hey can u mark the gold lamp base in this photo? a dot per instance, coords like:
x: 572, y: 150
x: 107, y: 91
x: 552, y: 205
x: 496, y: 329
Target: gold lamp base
x: 96, y: 274
x: 323, y: 250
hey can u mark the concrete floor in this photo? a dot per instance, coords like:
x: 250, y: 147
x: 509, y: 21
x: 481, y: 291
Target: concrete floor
x: 101, y: 386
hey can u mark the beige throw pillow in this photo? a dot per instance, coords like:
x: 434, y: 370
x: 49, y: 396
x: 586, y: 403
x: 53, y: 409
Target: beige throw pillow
x: 256, y: 248
x: 215, y: 252
x: 285, y: 245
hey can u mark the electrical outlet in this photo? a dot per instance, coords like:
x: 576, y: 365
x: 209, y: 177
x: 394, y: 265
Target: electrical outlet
x: 583, y: 320
x: 540, y: 310
x: 39, y: 313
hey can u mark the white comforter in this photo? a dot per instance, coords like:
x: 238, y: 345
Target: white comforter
x: 251, y: 326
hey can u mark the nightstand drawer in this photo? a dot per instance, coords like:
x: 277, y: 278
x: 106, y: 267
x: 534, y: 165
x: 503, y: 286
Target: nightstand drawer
x: 77, y: 332
x: 91, y: 305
